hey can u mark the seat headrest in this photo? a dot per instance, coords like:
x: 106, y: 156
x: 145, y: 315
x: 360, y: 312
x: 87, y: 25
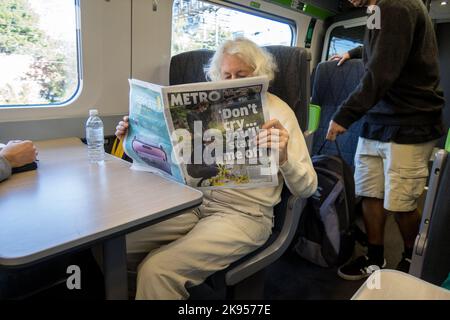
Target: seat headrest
x: 189, y: 67
x: 291, y: 83
x: 333, y: 84
x: 292, y: 80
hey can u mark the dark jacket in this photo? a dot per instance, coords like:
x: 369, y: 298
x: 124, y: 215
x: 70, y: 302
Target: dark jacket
x: 400, y: 83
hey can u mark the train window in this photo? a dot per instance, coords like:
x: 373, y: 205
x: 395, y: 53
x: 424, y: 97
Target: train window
x: 343, y: 39
x: 200, y: 24
x: 39, y: 52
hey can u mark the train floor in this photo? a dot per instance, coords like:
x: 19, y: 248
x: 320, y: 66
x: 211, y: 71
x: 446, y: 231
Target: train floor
x: 293, y: 278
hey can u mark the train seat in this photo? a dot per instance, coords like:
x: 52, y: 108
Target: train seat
x: 244, y: 279
x: 331, y: 86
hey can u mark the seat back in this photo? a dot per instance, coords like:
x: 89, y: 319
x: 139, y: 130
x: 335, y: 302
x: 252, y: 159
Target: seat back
x: 291, y: 82
x: 189, y: 67
x: 292, y: 85
x: 331, y: 86
x: 431, y: 255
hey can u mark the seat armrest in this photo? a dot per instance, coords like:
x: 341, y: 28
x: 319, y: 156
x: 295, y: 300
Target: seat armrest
x: 275, y: 250
x: 421, y: 242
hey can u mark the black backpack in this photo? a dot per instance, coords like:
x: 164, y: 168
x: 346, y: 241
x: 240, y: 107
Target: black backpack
x: 324, y: 235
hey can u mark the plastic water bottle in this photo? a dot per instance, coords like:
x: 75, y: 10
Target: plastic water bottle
x: 95, y: 137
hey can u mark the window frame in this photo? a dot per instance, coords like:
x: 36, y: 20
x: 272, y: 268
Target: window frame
x: 357, y: 22
x: 79, y: 57
x: 248, y: 10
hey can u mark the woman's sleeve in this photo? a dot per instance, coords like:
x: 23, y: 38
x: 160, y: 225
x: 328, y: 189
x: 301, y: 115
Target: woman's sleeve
x: 5, y: 169
x: 298, y: 171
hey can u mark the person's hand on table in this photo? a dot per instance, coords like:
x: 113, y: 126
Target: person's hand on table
x: 19, y: 153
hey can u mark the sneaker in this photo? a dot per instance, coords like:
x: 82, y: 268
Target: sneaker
x: 359, y: 268
x: 404, y: 264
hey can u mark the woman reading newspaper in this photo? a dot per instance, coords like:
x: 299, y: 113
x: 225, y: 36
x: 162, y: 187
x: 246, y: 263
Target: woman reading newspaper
x: 182, y: 252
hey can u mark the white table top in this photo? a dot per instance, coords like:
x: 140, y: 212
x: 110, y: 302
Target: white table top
x: 68, y: 202
x: 395, y: 285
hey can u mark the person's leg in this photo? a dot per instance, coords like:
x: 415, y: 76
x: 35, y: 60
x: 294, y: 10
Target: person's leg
x: 212, y: 245
x: 369, y: 184
x: 144, y: 241
x: 374, y: 222
x: 408, y: 223
x: 154, y: 236
x: 406, y: 175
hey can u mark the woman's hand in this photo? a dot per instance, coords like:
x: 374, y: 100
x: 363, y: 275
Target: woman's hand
x: 274, y: 135
x: 122, y: 128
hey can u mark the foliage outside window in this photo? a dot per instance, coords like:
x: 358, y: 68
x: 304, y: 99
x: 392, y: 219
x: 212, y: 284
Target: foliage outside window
x: 199, y: 24
x: 38, y: 52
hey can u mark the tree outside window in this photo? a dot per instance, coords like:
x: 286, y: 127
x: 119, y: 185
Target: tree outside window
x: 38, y: 52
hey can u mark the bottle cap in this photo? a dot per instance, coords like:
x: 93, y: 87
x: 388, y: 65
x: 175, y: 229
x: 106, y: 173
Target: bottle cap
x: 93, y: 112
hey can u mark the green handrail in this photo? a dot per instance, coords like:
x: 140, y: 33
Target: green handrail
x: 313, y: 118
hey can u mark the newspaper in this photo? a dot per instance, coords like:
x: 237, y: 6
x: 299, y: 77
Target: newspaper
x: 202, y: 134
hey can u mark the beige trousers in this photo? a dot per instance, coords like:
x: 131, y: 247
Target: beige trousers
x: 183, y: 251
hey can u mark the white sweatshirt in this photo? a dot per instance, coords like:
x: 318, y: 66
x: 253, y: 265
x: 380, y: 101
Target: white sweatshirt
x: 297, y: 171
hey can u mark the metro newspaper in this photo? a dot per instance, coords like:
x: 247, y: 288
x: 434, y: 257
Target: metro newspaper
x: 202, y: 134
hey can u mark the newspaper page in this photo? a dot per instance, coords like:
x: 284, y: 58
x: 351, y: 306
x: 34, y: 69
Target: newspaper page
x: 148, y: 140
x: 214, y: 126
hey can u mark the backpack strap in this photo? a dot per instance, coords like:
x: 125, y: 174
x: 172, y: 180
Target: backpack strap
x: 337, y: 147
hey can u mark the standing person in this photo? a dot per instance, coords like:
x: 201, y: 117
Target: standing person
x: 399, y: 97
x: 185, y: 250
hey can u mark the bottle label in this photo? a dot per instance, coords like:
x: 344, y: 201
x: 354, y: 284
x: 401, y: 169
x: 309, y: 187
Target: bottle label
x: 94, y: 135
